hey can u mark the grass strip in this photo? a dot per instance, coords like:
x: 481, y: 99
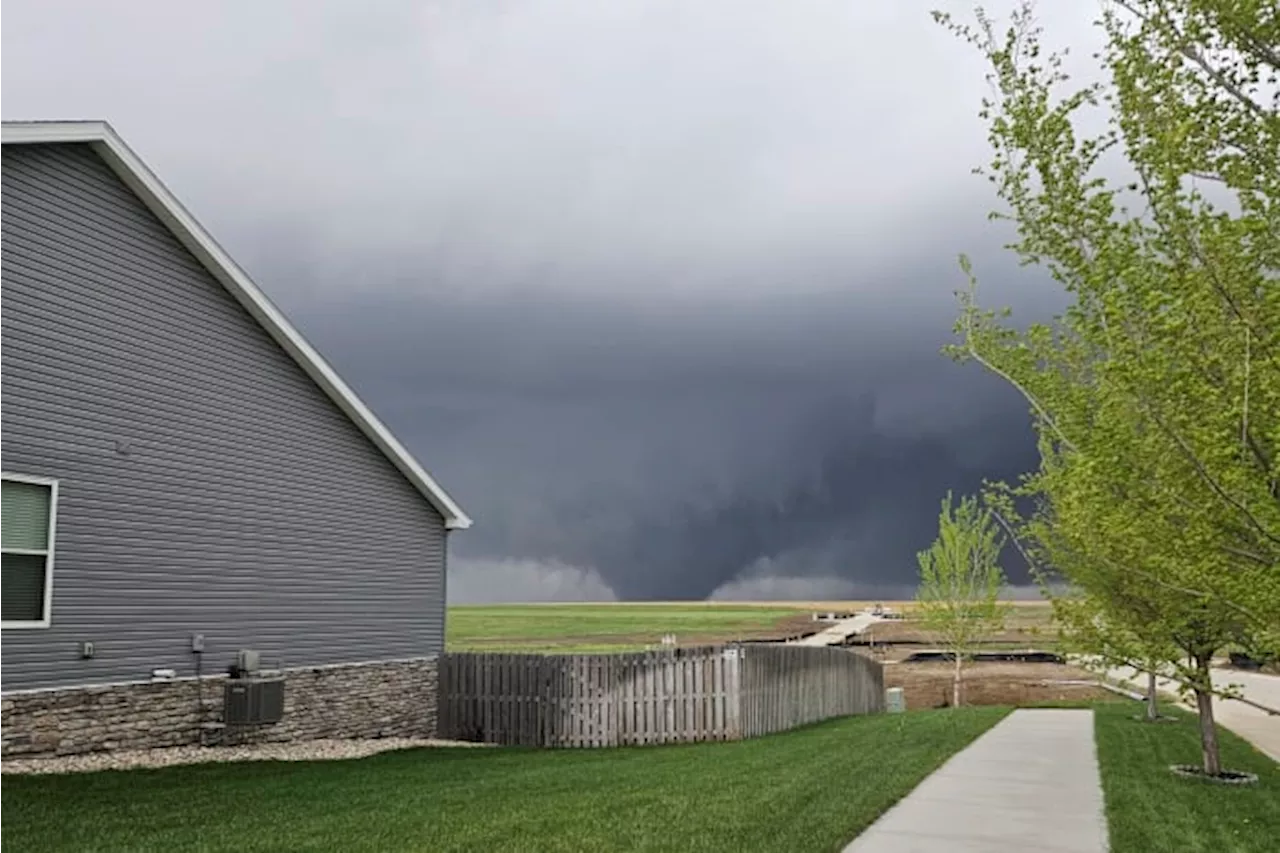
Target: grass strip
x: 1149, y: 808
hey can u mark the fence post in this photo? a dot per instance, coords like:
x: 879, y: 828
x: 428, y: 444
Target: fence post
x: 733, y: 687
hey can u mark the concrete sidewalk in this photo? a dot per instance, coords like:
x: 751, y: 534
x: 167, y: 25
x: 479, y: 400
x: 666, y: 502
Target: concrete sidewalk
x: 1030, y: 783
x: 835, y: 634
x: 1253, y: 724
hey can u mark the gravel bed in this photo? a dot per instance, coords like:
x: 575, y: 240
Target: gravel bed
x: 310, y: 750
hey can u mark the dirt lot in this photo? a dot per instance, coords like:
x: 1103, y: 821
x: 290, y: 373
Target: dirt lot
x: 1027, y: 625
x: 928, y: 685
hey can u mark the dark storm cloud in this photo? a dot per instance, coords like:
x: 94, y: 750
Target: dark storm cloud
x: 655, y: 288
x: 805, y: 437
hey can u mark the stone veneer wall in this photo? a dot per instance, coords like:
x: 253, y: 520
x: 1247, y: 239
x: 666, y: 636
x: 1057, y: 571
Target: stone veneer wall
x: 393, y: 699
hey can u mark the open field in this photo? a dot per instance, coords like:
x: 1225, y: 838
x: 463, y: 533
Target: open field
x: 812, y: 789
x: 615, y: 627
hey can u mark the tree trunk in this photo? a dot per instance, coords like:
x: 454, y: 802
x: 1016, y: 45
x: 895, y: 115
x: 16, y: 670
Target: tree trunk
x: 1153, y: 711
x: 955, y: 684
x: 1208, y: 733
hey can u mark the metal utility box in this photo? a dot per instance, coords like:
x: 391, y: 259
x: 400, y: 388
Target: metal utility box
x: 247, y: 661
x: 253, y: 701
x: 894, y: 700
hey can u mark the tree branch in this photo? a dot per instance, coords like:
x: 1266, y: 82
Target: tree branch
x: 1244, y: 405
x: 1027, y: 395
x: 1208, y: 478
x: 1184, y: 48
x: 1248, y: 555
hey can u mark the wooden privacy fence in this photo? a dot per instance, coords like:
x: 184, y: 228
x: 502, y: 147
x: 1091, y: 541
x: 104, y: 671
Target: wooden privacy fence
x: 788, y: 686
x: 691, y: 694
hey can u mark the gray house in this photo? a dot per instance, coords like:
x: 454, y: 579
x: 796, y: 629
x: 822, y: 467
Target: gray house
x: 187, y: 485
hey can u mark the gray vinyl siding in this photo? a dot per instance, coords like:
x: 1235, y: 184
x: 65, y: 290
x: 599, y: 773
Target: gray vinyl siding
x: 207, y: 485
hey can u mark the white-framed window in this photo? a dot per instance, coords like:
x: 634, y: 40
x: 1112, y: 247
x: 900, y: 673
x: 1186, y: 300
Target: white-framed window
x: 28, y: 519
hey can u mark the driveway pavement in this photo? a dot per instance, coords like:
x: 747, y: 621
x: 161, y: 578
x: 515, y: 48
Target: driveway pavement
x: 1031, y: 783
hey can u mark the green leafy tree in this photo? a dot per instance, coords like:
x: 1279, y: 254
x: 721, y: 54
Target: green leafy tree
x: 1092, y: 632
x: 1156, y: 394
x: 960, y: 582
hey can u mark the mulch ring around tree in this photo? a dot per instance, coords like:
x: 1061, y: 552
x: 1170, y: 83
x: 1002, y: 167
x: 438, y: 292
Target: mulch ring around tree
x: 1226, y: 777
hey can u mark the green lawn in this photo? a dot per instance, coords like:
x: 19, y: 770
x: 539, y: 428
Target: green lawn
x: 769, y: 794
x: 1149, y: 809
x: 604, y: 627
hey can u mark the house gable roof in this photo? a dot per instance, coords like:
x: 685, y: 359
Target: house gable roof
x: 134, y: 173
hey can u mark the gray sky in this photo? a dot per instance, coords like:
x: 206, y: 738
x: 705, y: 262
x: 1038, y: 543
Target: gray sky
x: 655, y: 288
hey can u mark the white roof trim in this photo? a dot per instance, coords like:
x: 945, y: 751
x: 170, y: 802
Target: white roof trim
x: 163, y: 204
